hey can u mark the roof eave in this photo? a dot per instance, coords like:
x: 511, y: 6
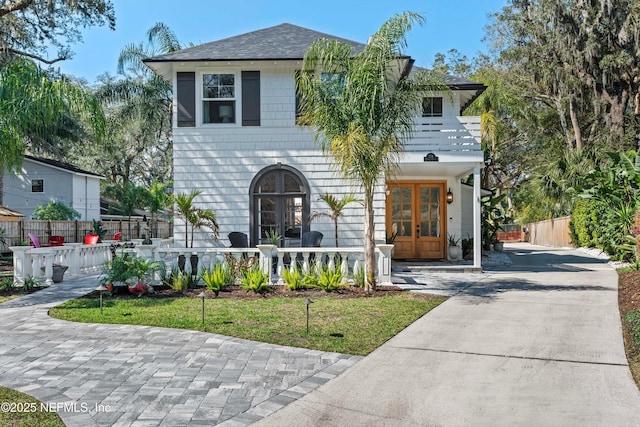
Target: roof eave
x: 479, y: 88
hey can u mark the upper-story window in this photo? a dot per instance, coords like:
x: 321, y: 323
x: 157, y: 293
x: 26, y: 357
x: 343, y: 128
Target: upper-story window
x: 333, y: 84
x: 37, y: 185
x: 218, y: 98
x: 432, y: 107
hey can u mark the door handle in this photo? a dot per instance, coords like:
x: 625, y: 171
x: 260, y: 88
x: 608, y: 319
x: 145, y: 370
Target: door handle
x: 417, y: 231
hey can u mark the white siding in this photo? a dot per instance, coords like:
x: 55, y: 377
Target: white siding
x: 81, y: 192
x: 86, y: 197
x: 222, y: 160
x: 17, y: 188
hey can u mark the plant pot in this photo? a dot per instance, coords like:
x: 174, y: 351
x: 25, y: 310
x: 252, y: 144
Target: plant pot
x: 193, y: 260
x: 58, y: 273
x: 498, y: 246
x: 455, y: 253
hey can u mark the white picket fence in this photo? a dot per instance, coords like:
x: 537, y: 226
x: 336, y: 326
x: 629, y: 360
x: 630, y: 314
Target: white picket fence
x: 90, y: 259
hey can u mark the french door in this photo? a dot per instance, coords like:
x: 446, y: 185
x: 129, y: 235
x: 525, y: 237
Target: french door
x: 415, y: 216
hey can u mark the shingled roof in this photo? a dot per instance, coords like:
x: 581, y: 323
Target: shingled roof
x: 281, y: 42
x: 62, y: 165
x: 284, y: 41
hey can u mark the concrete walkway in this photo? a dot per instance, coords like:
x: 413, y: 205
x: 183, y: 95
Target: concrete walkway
x: 536, y: 345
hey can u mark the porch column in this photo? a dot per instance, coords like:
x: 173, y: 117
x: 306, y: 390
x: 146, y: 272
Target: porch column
x: 477, y: 217
x: 384, y: 265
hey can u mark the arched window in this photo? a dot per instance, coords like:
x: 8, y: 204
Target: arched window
x: 279, y: 204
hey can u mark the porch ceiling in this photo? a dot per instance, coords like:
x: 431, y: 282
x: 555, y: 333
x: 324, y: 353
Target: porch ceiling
x: 426, y: 169
x: 457, y: 164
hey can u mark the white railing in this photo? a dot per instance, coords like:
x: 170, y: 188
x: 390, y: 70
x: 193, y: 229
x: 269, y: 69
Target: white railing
x: 85, y: 259
x: 39, y: 262
x: 446, y: 134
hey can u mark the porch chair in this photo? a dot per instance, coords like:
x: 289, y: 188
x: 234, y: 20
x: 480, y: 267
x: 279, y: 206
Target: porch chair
x: 310, y: 239
x: 239, y: 240
x: 56, y: 240
x: 35, y: 242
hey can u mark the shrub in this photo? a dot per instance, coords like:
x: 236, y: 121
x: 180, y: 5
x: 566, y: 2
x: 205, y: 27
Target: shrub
x: 55, y: 211
x: 358, y: 277
x: 29, y: 283
x: 293, y: 279
x: 216, y: 278
x: 255, y: 280
x: 179, y: 280
x: 585, y: 226
x: 6, y: 284
x: 329, y: 280
x: 237, y: 266
x: 310, y: 278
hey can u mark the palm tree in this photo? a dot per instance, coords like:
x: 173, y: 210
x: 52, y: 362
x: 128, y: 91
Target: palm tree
x: 336, y: 206
x: 159, y: 199
x: 139, y: 107
x: 33, y: 104
x: 362, y: 107
x: 204, y: 218
x: 195, y: 216
x: 186, y: 210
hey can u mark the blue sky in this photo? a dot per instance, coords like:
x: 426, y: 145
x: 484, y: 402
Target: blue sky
x: 449, y: 24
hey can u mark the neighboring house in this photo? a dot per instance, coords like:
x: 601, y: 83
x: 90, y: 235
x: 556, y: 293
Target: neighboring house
x: 235, y: 138
x: 7, y: 214
x: 43, y: 180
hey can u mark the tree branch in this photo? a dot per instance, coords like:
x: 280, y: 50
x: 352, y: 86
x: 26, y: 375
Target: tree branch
x: 33, y: 56
x: 10, y: 8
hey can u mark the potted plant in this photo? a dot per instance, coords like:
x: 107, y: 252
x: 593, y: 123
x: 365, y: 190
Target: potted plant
x: 274, y: 239
x: 127, y: 269
x: 455, y: 251
x: 467, y: 247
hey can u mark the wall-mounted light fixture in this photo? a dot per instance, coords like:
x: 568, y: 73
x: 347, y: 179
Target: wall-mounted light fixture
x: 449, y: 196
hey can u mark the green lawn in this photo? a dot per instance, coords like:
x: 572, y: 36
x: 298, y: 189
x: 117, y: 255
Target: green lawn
x: 350, y: 325
x: 22, y: 410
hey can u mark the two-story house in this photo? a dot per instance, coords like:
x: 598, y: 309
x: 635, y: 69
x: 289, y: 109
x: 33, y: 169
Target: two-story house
x: 235, y: 138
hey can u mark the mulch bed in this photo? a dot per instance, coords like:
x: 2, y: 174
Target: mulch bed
x: 629, y: 291
x: 237, y: 293
x: 629, y: 300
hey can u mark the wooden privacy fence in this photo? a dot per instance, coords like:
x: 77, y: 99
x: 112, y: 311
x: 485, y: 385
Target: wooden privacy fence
x: 553, y: 233
x: 17, y: 232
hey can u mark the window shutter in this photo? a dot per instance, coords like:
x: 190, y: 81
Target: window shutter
x: 296, y: 78
x: 186, y: 99
x: 251, y: 98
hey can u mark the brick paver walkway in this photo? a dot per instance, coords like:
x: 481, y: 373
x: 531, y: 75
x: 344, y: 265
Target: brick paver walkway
x: 125, y: 375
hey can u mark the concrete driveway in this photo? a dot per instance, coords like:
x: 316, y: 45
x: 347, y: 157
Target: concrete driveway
x: 539, y: 344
